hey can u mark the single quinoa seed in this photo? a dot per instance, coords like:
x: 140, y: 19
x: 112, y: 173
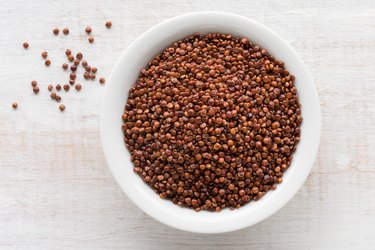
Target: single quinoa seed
x: 47, y: 62
x: 94, y: 70
x: 66, y: 31
x: 102, y: 80
x: 34, y: 83
x: 66, y: 87
x: 65, y: 66
x: 88, y: 30
x: 108, y: 24
x: 78, y: 87
x: 36, y: 90
x: 44, y: 54
x: 50, y: 87
x: 15, y: 105
x: 25, y: 45
x: 71, y: 58
x: 79, y: 55
x: 62, y: 107
x: 58, y: 98
x: 53, y: 96
x: 55, y: 31
x: 212, y: 122
x: 58, y: 87
x: 84, y: 63
x: 68, y: 52
x: 91, y: 39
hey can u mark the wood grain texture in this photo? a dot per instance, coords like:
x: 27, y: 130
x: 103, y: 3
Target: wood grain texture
x: 56, y: 191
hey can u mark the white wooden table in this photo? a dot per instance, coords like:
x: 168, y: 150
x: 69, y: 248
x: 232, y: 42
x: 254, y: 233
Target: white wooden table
x: 56, y: 191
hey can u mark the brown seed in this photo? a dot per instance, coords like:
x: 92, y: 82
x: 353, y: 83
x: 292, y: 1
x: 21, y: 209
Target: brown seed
x: 58, y: 87
x: 50, y: 87
x: 36, y: 90
x: 88, y: 69
x: 33, y: 83
x: 66, y: 31
x: 108, y: 24
x: 86, y: 75
x: 91, y: 39
x: 47, y: 62
x: 15, y: 105
x: 44, y: 54
x: 76, y: 62
x: 79, y: 55
x: 65, y: 66
x: 55, y: 31
x: 78, y: 87
x: 71, y: 58
x: 66, y: 87
x: 102, y: 81
x: 84, y: 63
x: 94, y: 70
x: 25, y: 45
x: 62, y: 107
x: 58, y: 98
x: 71, y: 82
x: 68, y: 52
x: 72, y: 76
x: 73, y: 68
x: 88, y: 30
x: 53, y: 95
x: 92, y: 76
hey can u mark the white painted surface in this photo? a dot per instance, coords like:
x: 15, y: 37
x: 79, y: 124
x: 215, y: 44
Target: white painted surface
x: 57, y: 193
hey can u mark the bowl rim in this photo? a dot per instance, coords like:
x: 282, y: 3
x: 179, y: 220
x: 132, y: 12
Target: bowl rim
x: 208, y: 226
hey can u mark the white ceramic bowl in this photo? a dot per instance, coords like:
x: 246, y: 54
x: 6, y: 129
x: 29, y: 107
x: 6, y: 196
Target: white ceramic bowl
x: 125, y: 74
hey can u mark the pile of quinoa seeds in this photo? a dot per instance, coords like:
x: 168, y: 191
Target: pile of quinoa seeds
x: 71, y: 66
x: 212, y: 122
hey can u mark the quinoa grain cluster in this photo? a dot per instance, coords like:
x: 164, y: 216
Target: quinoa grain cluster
x: 212, y: 122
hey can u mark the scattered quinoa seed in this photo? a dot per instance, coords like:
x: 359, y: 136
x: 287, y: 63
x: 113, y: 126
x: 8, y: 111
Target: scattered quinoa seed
x: 91, y: 39
x: 56, y: 31
x: 66, y: 87
x: 71, y: 58
x: 65, y: 66
x: 58, y: 87
x: 47, y: 62
x: 79, y: 55
x: 25, y: 45
x: 88, y: 30
x: 102, y: 80
x: 84, y: 63
x: 86, y: 75
x: 33, y: 83
x: 78, y: 87
x: 44, y: 54
x: 68, y: 52
x: 62, y: 107
x: 58, y: 98
x: 94, y: 70
x: 36, y: 90
x: 66, y: 31
x: 53, y: 95
x: 108, y: 24
x: 15, y: 105
x: 50, y: 87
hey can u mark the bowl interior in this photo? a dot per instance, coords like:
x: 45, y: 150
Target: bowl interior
x: 125, y: 73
